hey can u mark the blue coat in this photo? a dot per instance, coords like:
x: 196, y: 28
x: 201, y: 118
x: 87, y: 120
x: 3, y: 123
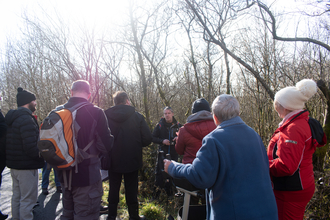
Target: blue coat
x: 232, y: 166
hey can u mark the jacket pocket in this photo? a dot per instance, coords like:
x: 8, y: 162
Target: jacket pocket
x: 288, y: 183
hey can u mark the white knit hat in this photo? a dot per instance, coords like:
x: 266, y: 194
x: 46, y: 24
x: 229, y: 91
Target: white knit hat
x: 293, y: 98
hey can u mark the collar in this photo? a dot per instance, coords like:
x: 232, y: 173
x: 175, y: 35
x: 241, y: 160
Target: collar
x: 289, y: 116
x: 230, y: 122
x: 25, y: 109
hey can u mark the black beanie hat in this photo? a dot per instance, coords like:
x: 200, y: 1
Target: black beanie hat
x: 199, y: 105
x: 24, y: 97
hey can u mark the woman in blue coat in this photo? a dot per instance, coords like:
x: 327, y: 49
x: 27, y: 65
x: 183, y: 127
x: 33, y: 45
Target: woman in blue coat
x: 232, y: 166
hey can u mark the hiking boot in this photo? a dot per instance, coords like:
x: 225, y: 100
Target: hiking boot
x: 45, y: 191
x: 2, y: 216
x: 59, y: 189
x: 141, y: 217
x: 104, y: 210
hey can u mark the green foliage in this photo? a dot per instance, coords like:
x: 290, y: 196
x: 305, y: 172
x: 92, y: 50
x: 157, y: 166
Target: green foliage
x: 152, y: 211
x: 105, y: 185
x: 319, y: 206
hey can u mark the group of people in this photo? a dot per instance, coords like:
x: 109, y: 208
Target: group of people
x: 221, y: 155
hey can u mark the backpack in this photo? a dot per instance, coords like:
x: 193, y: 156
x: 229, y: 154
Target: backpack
x: 58, y: 139
x: 319, y: 138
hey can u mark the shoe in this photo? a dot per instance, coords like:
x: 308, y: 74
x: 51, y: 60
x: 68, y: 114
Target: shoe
x: 178, y: 194
x: 59, y: 189
x: 141, y: 217
x: 104, y: 210
x: 2, y: 216
x: 44, y: 191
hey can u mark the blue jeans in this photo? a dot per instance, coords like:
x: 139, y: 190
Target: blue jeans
x: 45, y: 177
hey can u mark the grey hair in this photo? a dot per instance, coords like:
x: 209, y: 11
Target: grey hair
x: 168, y: 108
x: 225, y: 107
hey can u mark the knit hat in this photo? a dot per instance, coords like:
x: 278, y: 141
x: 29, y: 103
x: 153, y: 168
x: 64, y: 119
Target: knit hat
x: 294, y: 98
x: 199, y: 105
x: 24, y: 97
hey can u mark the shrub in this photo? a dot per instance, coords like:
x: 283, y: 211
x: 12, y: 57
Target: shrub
x: 152, y: 211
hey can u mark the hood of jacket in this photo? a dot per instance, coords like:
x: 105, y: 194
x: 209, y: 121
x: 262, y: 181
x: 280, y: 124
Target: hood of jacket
x: 120, y: 113
x: 12, y: 114
x: 199, y: 124
x: 201, y: 115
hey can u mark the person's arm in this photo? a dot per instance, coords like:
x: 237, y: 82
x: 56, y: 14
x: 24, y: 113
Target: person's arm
x: 156, y: 135
x: 146, y: 135
x: 180, y: 144
x: 3, y: 126
x: 203, y: 172
x: 104, y: 137
x: 290, y: 149
x: 29, y: 134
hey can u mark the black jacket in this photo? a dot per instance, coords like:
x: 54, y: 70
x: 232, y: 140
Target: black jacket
x: 3, y: 129
x: 89, y: 169
x: 162, y: 130
x: 131, y: 133
x: 21, y: 140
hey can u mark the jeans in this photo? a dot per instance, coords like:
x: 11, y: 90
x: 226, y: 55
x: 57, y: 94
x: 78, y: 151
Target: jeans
x: 45, y: 177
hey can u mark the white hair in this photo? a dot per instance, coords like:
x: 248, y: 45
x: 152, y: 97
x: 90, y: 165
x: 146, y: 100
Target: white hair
x: 225, y: 107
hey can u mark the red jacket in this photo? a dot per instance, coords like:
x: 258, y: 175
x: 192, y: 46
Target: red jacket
x: 290, y: 153
x: 190, y: 138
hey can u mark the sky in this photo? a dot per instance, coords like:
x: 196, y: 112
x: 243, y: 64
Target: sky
x: 95, y: 12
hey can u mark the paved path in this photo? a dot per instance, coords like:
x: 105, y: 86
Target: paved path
x: 49, y: 208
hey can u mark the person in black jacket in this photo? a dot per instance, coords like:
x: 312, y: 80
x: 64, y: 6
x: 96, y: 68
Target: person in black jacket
x: 22, y: 154
x: 131, y: 133
x: 3, y: 129
x: 82, y: 199
x: 165, y: 135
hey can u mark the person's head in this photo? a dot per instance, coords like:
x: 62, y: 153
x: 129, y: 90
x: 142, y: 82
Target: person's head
x: 26, y: 99
x: 281, y: 111
x: 200, y: 105
x: 224, y: 107
x: 80, y: 88
x: 121, y: 98
x: 168, y: 114
x: 294, y: 97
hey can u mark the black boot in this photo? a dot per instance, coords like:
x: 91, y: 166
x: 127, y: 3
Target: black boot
x: 2, y: 216
x: 133, y: 211
x: 112, y: 214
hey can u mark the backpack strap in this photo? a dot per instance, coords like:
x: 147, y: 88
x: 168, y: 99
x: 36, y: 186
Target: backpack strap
x: 66, y: 184
x: 297, y: 115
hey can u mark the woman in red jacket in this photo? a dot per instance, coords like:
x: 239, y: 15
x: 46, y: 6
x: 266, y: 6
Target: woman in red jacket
x: 190, y: 136
x: 290, y: 151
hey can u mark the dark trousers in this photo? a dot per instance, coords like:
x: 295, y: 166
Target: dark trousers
x: 82, y: 203
x: 131, y: 191
x: 2, y: 167
x: 161, y: 179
